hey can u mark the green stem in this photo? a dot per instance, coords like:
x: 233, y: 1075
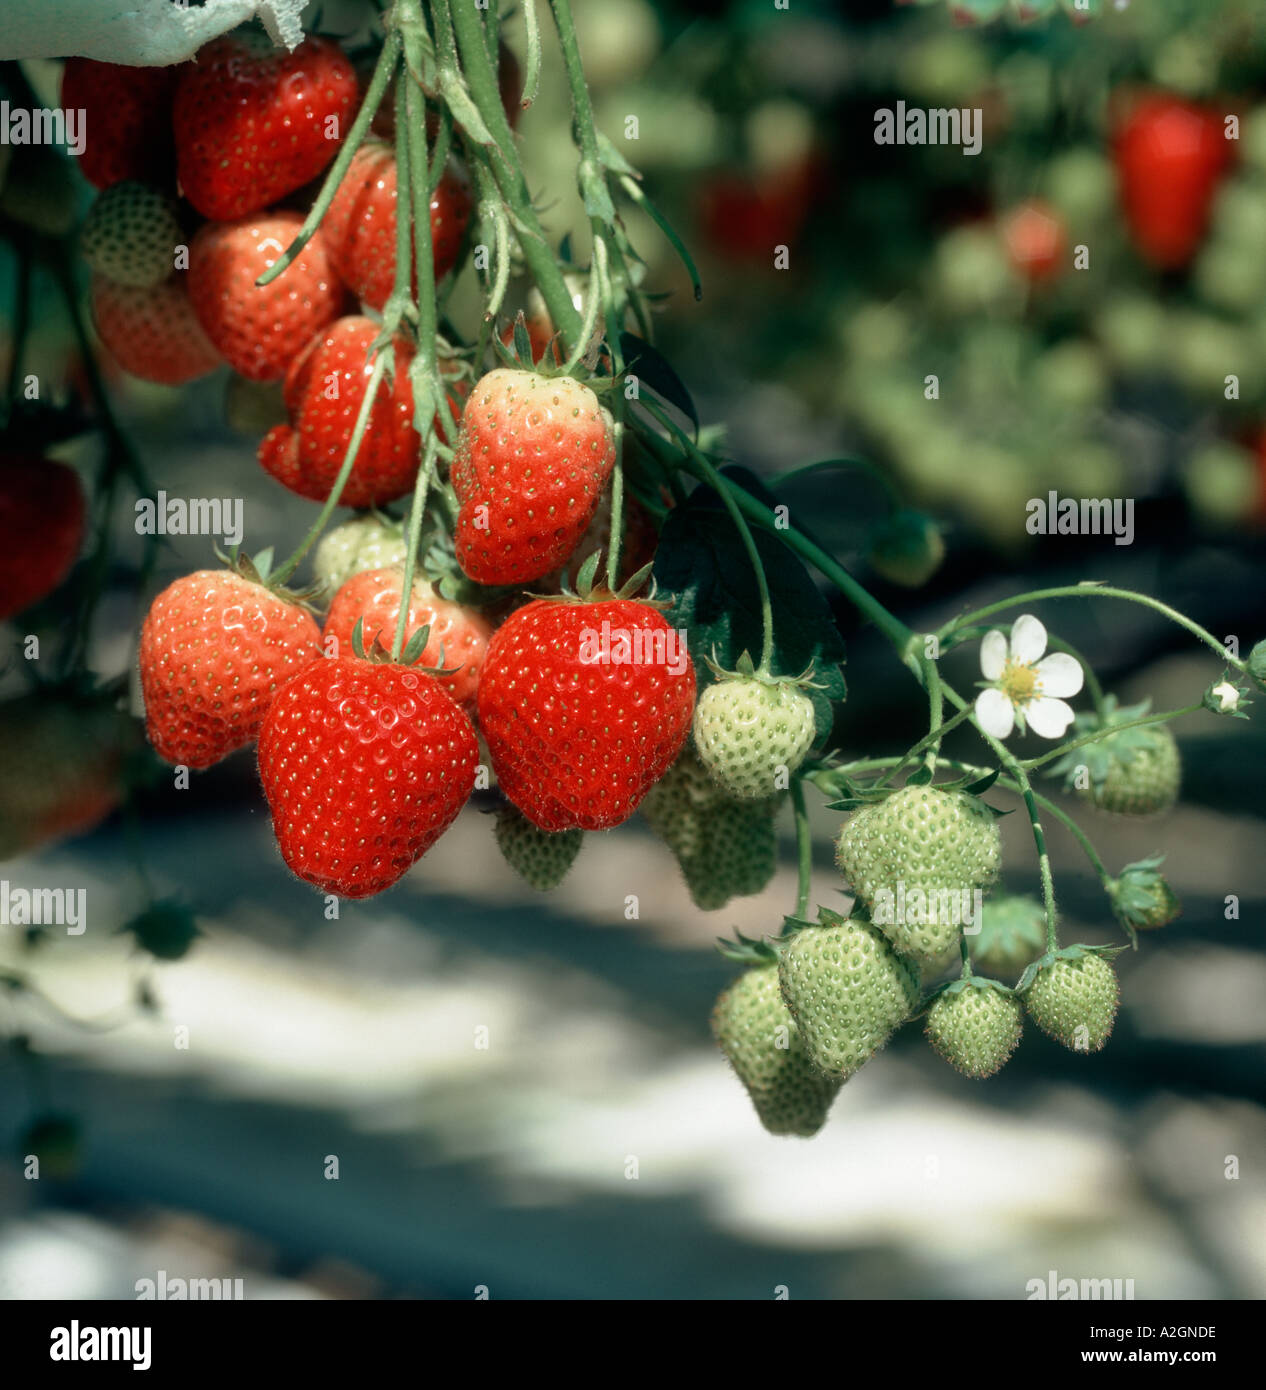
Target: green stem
x: 1162, y: 718
x: 889, y: 487
x: 283, y: 572
x: 378, y: 83
x: 729, y: 497
x: 463, y: 21
x: 932, y: 741
x: 1096, y: 591
x: 1008, y: 760
x: 804, y: 848
x: 1073, y: 828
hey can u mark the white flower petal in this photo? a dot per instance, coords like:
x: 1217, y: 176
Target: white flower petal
x: 993, y: 654
x: 1059, y: 674
x: 995, y: 713
x: 1028, y: 639
x: 1048, y: 718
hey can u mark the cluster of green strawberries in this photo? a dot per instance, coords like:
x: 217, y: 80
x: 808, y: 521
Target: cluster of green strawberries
x: 818, y: 1000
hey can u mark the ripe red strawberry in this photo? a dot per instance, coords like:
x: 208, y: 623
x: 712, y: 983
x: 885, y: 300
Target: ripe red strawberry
x: 1034, y: 236
x: 127, y: 115
x: 260, y: 331
x: 533, y: 456
x: 153, y: 333
x: 1170, y: 157
x: 579, y: 731
x: 307, y: 454
x: 41, y: 528
x: 253, y: 122
x: 215, y: 646
x: 360, y: 226
x: 373, y: 597
x: 746, y: 216
x: 365, y: 764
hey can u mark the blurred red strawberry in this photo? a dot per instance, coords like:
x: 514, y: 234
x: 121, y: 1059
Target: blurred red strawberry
x: 1036, y: 244
x: 41, y: 528
x: 127, y: 120
x: 153, y: 333
x: 1170, y: 156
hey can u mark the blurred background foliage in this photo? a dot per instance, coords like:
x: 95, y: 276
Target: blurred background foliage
x: 510, y: 1167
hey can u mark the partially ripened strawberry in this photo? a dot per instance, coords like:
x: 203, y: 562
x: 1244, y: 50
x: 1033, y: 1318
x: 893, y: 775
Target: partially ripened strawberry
x: 253, y: 122
x: 458, y: 635
x: 64, y: 761
x: 576, y: 738
x: 324, y: 391
x: 533, y: 457
x: 360, y: 226
x: 260, y: 330
x: 1035, y: 240
x: 131, y: 233
x: 127, y: 119
x: 41, y: 528
x: 153, y: 332
x: 215, y: 646
x: 364, y: 765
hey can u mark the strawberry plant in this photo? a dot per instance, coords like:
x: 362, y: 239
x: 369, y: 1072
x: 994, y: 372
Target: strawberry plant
x: 521, y: 530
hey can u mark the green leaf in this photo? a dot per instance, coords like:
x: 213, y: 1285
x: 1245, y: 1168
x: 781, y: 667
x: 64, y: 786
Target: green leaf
x: 921, y: 778
x: 982, y: 784
x: 703, y: 572
x: 652, y: 369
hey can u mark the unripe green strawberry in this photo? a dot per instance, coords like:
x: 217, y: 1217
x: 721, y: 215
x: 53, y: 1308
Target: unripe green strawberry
x: 1257, y: 663
x: 913, y: 857
x: 1012, y: 934
x: 1136, y: 772
x: 907, y: 549
x: 738, y: 854
x: 1142, y: 897
x: 847, y: 989
x: 725, y: 848
x: 540, y: 857
x: 975, y: 1026
x: 763, y: 1044
x: 677, y: 806
x: 364, y: 543
x: 130, y: 235
x: 752, y: 732
x: 1073, y: 998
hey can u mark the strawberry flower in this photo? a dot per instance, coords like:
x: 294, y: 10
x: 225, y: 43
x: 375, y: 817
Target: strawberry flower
x: 1024, y: 687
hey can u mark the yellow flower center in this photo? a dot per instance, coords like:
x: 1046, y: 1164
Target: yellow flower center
x: 1019, y: 682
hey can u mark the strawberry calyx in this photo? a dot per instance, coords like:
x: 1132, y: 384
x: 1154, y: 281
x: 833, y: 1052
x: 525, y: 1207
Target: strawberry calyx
x: 746, y: 669
x: 590, y: 588
x: 1078, y: 951
x: 259, y: 569
x: 413, y: 649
